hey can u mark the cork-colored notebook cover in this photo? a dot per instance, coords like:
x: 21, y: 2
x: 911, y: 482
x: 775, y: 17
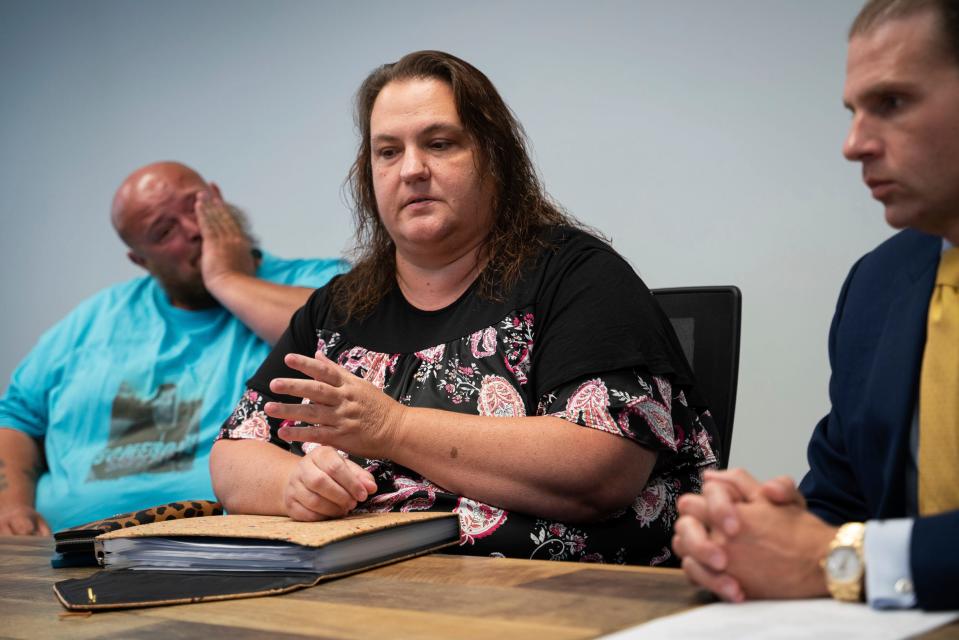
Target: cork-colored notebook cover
x: 131, y: 588
x: 308, y: 534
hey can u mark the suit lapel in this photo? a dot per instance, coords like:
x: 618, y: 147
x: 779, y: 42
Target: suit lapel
x: 894, y: 380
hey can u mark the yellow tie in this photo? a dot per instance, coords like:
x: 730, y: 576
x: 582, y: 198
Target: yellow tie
x: 939, y: 394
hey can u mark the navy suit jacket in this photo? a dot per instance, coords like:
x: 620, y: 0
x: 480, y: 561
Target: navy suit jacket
x: 859, y: 453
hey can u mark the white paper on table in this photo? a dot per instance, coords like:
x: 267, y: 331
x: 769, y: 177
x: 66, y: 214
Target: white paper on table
x: 823, y: 617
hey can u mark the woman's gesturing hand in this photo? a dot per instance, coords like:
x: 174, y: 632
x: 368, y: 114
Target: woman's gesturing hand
x: 325, y: 485
x: 344, y: 411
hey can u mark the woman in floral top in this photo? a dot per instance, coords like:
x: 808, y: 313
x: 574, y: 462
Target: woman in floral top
x: 485, y: 356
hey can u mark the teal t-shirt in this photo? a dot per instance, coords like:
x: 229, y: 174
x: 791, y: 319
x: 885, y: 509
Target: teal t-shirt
x: 127, y: 394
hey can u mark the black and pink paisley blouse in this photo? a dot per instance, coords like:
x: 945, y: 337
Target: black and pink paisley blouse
x: 579, y: 338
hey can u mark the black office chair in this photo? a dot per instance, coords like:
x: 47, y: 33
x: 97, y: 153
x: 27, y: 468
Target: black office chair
x: 707, y: 322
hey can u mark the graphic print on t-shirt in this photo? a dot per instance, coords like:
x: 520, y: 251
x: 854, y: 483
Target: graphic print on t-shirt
x: 148, y: 435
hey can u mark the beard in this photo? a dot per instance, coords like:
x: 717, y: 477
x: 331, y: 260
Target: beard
x: 188, y: 294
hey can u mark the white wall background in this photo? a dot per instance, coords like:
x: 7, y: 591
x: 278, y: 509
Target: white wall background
x: 702, y: 136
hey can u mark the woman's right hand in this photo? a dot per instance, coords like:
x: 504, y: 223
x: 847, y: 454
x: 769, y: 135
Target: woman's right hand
x: 325, y: 485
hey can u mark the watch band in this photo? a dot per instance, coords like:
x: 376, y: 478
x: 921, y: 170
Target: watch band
x: 849, y: 538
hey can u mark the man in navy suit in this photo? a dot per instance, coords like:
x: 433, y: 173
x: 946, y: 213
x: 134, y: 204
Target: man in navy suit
x: 854, y: 528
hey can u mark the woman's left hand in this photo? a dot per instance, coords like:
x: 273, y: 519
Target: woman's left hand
x: 344, y: 411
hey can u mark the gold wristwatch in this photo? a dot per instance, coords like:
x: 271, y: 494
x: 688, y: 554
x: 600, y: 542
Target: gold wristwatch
x: 844, y: 564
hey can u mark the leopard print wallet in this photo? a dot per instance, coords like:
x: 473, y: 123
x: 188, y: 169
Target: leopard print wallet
x: 74, y: 546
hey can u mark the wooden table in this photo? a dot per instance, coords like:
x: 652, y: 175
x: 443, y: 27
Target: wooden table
x: 438, y: 596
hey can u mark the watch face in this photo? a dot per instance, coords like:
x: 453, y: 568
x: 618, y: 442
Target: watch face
x: 843, y: 564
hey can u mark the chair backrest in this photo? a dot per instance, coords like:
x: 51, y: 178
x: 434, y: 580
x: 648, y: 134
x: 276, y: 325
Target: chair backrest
x: 707, y: 322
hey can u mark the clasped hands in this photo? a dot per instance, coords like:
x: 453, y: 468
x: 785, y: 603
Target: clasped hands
x: 344, y: 412
x: 745, y: 540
